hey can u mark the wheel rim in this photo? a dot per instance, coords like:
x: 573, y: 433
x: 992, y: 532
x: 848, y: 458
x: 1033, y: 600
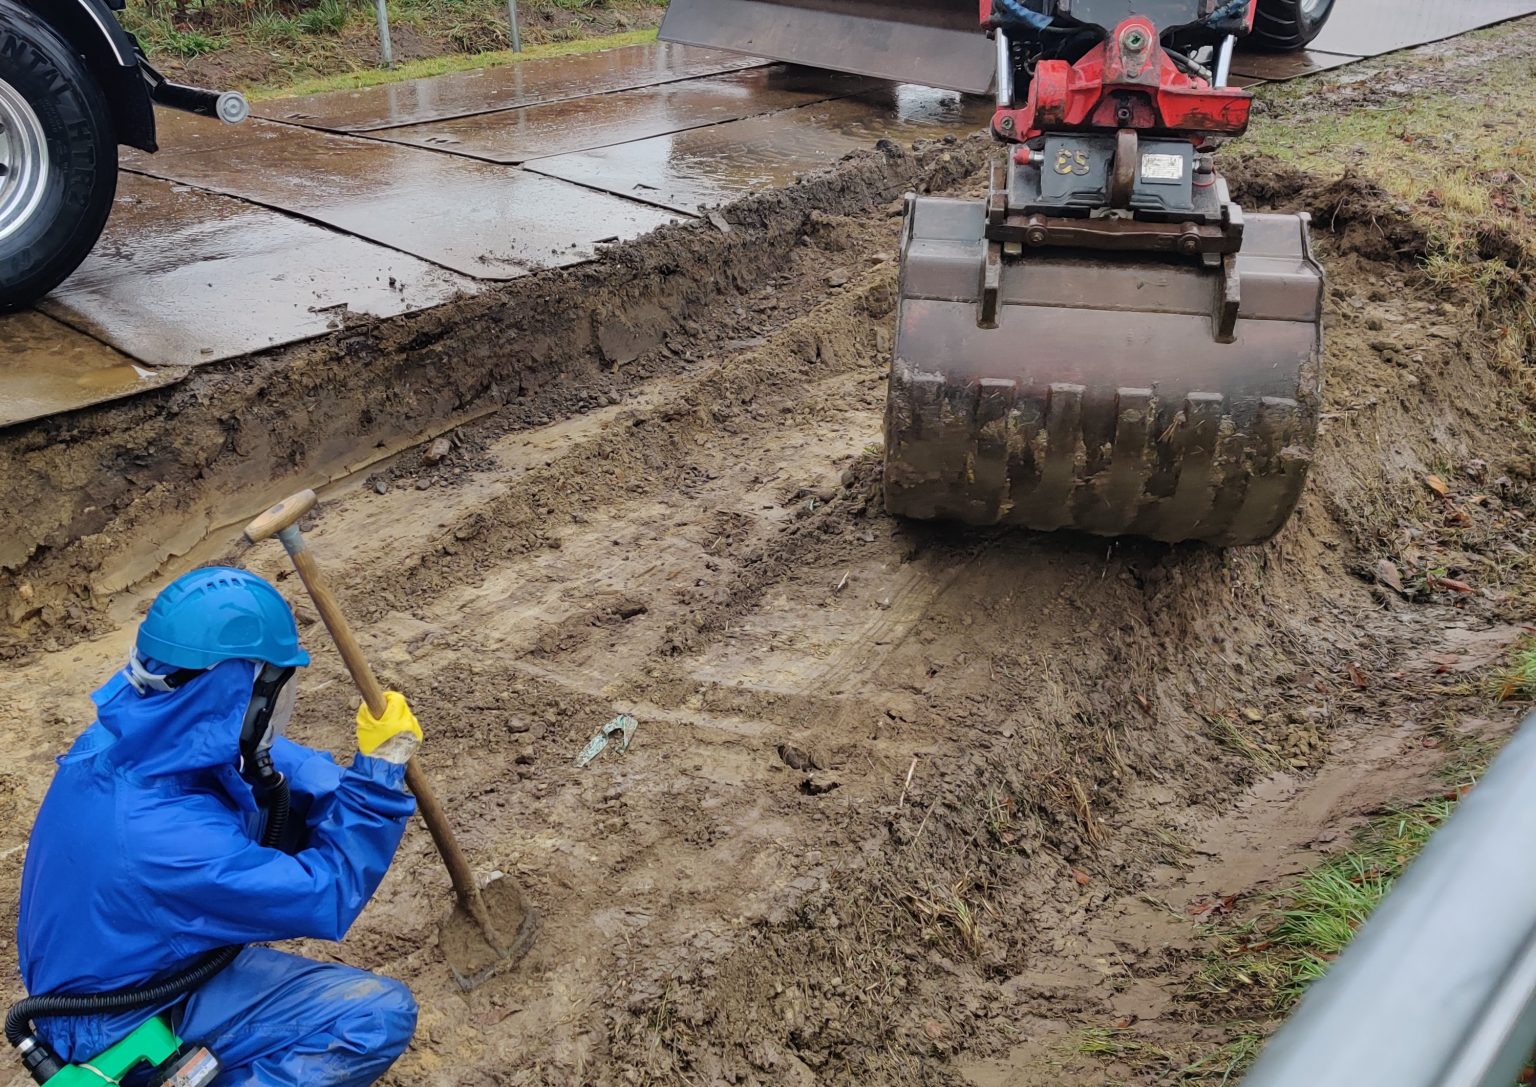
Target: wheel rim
x: 23, y: 161
x: 1312, y: 7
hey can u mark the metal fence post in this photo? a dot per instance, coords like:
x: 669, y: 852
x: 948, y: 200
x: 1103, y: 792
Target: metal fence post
x: 386, y: 48
x: 517, y: 35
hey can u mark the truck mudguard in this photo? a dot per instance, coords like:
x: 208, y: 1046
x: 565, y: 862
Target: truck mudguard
x: 113, y: 55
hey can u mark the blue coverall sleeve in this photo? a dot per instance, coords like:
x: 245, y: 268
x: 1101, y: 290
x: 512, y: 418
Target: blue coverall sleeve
x: 313, y: 778
x: 203, y: 877
x: 312, y: 775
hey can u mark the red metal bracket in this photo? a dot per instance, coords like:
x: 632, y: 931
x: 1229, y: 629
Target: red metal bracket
x: 1127, y: 81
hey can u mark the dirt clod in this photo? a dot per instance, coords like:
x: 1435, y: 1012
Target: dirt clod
x: 797, y: 759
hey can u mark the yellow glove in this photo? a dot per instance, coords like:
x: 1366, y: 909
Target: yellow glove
x: 397, y: 720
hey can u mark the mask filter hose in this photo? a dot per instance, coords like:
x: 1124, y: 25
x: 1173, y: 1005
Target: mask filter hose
x: 18, y: 1021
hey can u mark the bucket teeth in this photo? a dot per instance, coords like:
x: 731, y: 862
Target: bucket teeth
x: 1058, y: 452
x: 1102, y: 401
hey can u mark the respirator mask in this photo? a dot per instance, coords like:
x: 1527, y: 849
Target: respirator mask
x: 267, y: 716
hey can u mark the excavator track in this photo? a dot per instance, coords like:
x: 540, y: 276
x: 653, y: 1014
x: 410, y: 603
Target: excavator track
x: 1067, y: 390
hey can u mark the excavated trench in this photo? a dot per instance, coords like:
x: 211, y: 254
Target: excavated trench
x: 115, y: 495
x: 895, y: 787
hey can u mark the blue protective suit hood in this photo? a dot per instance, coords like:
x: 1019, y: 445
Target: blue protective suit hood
x: 161, y: 733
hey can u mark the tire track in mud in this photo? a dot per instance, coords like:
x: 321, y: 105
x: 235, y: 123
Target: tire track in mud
x: 761, y: 553
x: 834, y: 347
x: 667, y: 449
x: 764, y: 559
x: 1092, y: 780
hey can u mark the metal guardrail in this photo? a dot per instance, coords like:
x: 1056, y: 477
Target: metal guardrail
x: 1438, y: 989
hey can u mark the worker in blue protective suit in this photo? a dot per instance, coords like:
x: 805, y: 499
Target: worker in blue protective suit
x: 146, y: 853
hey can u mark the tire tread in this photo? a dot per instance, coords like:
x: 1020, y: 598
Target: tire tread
x: 70, y: 237
x: 1280, y: 27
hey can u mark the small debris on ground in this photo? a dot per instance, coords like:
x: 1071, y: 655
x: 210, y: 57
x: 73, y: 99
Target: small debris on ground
x: 623, y: 725
x: 799, y: 759
x: 819, y: 784
x: 1388, y: 574
x: 1212, y: 907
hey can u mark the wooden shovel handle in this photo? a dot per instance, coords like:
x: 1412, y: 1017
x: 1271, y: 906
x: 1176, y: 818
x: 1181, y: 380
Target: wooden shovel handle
x: 373, y: 694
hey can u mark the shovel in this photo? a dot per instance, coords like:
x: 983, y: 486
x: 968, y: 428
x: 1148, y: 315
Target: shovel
x: 491, y: 927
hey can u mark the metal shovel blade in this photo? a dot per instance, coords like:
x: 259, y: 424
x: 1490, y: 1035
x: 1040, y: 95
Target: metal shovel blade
x: 487, y: 933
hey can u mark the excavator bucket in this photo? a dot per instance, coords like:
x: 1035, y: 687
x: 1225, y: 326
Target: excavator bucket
x: 934, y: 42
x: 1062, y: 389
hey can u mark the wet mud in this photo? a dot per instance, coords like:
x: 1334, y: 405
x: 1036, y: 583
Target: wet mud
x: 903, y: 799
x: 108, y: 491
x: 489, y: 936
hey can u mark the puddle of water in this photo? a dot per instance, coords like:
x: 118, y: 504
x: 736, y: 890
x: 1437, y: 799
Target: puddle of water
x: 711, y: 166
x: 130, y: 375
x: 482, y: 219
x: 1265, y: 66
x: 525, y: 83
x: 50, y: 367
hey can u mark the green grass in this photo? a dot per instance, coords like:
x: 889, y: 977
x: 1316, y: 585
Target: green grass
x: 1264, y: 965
x: 1320, y: 915
x: 271, y: 27
x: 161, y: 39
x: 1517, y: 682
x: 1273, y: 959
x: 273, y: 47
x: 1330, y: 904
x: 1460, y: 160
x: 326, y: 17
x: 453, y: 62
x: 1220, y: 1066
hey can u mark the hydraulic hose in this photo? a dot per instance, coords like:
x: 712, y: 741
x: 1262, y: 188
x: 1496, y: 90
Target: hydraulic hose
x: 18, y: 1021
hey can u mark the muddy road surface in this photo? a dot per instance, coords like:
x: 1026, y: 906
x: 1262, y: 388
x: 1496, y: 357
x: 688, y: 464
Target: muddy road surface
x: 905, y: 803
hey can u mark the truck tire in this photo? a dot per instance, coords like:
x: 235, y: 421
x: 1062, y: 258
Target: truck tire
x: 58, y: 158
x: 1286, y: 26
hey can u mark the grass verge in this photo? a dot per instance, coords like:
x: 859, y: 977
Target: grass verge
x: 1455, y: 148
x: 1268, y: 962
x: 1218, y: 1067
x: 1260, y: 967
x: 1517, y: 681
x: 453, y: 62
x: 271, y: 47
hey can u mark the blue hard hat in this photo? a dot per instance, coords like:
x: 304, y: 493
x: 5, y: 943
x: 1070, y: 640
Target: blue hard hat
x: 217, y: 614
